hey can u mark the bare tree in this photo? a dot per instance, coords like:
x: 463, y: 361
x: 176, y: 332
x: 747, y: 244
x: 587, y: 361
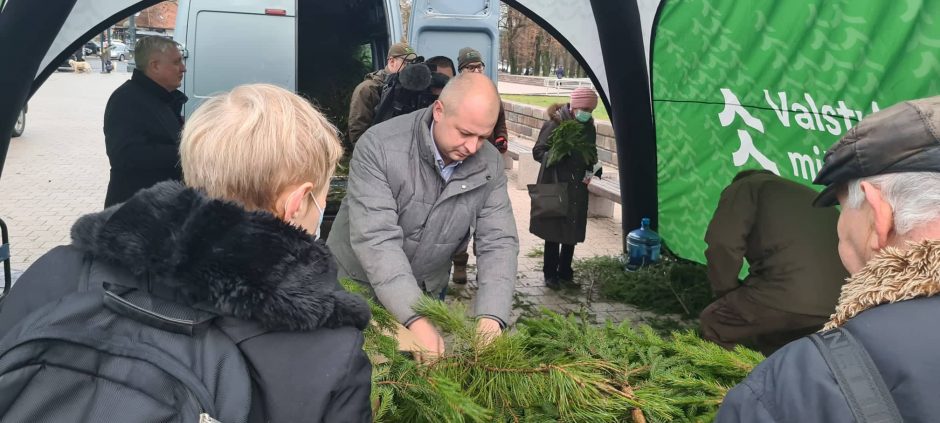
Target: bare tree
x: 524, y: 43
x: 405, y: 6
x: 511, y: 24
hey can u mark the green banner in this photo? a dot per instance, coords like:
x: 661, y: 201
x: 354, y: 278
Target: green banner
x: 772, y: 84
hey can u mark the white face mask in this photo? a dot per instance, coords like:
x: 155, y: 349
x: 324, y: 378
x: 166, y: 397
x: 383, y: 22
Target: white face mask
x: 316, y: 235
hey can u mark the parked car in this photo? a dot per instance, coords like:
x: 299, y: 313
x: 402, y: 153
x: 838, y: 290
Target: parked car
x: 92, y: 47
x: 20, y: 125
x: 119, y: 51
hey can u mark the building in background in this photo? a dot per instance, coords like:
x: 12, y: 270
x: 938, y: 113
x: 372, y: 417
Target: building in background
x: 159, y: 19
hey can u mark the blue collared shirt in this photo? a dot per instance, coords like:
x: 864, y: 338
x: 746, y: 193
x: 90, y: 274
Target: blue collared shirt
x: 447, y: 170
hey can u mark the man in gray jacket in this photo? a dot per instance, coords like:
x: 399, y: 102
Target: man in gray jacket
x: 419, y: 184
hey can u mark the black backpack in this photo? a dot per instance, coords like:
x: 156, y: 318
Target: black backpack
x: 122, y: 355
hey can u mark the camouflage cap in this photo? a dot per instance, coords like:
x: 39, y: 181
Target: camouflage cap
x: 402, y: 49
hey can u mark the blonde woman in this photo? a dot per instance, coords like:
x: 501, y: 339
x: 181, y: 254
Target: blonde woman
x: 237, y: 243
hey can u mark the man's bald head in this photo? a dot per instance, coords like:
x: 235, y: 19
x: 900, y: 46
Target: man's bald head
x: 464, y: 116
x: 470, y: 90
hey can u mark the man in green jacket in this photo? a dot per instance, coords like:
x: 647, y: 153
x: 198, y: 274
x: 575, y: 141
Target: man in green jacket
x: 795, y: 274
x: 367, y: 94
x: 417, y: 185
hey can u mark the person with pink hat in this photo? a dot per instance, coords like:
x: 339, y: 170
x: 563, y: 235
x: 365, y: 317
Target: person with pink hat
x: 567, y: 150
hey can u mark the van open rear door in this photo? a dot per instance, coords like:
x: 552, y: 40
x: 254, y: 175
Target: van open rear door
x: 233, y: 42
x: 441, y: 28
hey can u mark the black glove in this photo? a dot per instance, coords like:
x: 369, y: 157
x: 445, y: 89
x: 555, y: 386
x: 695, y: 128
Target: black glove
x: 501, y: 144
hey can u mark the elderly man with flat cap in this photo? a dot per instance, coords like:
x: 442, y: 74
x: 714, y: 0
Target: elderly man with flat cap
x: 877, y: 359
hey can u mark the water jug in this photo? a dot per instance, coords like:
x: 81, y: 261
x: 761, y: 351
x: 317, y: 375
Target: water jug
x: 642, y: 246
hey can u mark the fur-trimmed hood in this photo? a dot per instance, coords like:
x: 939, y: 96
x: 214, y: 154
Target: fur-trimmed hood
x: 894, y: 275
x: 558, y: 112
x: 249, y: 265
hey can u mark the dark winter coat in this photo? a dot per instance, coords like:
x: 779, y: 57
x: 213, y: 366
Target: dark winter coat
x: 564, y: 230
x: 362, y: 104
x: 142, y: 124
x: 791, y: 246
x: 259, y: 273
x: 890, y: 308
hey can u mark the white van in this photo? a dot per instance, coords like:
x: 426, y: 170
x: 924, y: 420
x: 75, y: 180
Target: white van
x: 320, y: 49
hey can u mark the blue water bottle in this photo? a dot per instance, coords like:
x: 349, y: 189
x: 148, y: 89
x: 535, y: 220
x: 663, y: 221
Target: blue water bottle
x: 642, y: 246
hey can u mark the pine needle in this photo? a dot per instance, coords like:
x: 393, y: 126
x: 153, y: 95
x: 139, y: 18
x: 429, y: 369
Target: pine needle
x: 553, y: 368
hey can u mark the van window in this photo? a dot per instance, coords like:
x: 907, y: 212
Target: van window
x: 226, y: 55
x: 365, y: 55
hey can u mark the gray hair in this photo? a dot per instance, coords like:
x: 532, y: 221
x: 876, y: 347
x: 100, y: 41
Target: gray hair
x: 914, y: 197
x: 146, y: 46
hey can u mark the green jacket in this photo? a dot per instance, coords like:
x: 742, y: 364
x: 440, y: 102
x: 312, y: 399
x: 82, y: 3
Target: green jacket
x: 362, y: 104
x: 791, y: 246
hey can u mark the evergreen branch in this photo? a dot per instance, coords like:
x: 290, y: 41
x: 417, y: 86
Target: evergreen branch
x: 553, y: 368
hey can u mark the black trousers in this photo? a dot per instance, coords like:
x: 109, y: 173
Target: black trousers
x: 557, y: 261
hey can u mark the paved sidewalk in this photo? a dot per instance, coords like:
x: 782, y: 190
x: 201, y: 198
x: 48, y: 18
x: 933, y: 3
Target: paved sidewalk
x: 604, y: 237
x: 58, y: 171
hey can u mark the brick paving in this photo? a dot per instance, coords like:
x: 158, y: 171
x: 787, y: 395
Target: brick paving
x: 58, y: 171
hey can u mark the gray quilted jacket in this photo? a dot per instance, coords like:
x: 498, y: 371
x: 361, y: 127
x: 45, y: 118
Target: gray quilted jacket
x: 400, y: 223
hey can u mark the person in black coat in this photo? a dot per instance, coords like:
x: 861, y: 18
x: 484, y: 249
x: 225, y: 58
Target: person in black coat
x: 240, y: 239
x: 143, y: 119
x: 562, y: 233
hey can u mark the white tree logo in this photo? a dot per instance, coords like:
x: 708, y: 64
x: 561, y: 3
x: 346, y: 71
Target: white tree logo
x: 747, y: 149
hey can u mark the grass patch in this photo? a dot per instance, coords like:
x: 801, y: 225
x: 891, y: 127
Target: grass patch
x: 673, y: 286
x: 600, y: 113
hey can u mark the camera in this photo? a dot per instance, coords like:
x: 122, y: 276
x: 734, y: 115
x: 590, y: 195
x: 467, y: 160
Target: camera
x: 412, y: 88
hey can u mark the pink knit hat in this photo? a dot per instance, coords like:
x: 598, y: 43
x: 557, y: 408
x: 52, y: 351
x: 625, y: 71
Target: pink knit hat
x: 583, y: 98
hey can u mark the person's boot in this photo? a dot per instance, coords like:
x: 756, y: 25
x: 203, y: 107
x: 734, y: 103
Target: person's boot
x: 460, y: 267
x: 552, y: 283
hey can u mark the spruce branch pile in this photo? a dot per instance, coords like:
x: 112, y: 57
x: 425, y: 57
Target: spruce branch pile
x: 567, y: 139
x: 672, y: 286
x: 550, y: 369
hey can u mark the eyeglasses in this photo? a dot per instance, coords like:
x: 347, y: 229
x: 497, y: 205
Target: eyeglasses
x: 474, y: 68
x: 407, y: 58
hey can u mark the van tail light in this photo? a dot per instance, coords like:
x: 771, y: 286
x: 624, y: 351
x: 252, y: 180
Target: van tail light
x: 277, y: 12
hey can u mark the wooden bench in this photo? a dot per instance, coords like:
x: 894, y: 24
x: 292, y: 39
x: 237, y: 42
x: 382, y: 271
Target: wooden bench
x: 605, y: 198
x: 606, y: 188
x: 527, y: 169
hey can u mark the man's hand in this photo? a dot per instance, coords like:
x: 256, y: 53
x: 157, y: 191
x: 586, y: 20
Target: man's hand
x: 428, y: 338
x: 501, y: 144
x: 488, y: 329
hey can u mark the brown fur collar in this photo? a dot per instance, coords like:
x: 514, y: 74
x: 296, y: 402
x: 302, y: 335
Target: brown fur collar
x: 894, y: 275
x: 558, y: 112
